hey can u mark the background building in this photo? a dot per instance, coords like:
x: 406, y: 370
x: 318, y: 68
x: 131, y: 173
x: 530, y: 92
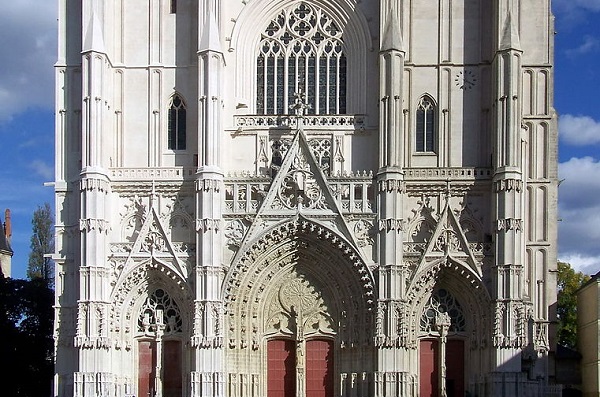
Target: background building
x: 6, y: 251
x: 588, y: 332
x: 305, y: 198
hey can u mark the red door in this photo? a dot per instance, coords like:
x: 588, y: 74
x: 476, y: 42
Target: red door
x: 281, y: 368
x: 428, y: 368
x: 146, y: 368
x: 172, y: 382
x: 455, y: 368
x: 319, y: 368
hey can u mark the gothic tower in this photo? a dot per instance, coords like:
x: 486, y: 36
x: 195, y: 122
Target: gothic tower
x: 305, y: 198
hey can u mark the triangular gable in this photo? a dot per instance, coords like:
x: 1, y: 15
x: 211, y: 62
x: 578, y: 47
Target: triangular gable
x: 299, y: 187
x: 449, y: 241
x: 152, y: 242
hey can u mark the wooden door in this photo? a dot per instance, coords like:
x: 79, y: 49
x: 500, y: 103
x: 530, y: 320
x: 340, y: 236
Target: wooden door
x: 428, y: 368
x: 146, y: 368
x: 455, y: 368
x: 319, y: 368
x: 281, y: 368
x: 172, y: 371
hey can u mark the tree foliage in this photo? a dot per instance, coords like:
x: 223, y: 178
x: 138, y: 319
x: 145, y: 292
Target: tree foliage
x: 569, y: 281
x: 42, y: 243
x: 26, y: 321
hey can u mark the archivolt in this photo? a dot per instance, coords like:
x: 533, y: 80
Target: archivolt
x: 302, y: 247
x: 463, y: 284
x: 135, y: 287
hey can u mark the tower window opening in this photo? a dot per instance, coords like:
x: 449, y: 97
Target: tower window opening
x: 425, y: 132
x: 177, y: 124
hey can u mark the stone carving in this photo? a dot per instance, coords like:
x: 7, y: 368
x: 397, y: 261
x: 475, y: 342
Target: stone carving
x: 363, y: 233
x: 235, y: 230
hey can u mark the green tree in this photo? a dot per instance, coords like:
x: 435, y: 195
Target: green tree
x: 569, y: 281
x: 26, y: 321
x: 42, y: 243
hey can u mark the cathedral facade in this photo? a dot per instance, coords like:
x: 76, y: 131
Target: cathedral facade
x: 307, y: 198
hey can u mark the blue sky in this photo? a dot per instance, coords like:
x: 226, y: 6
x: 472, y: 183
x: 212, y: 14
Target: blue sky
x: 28, y: 52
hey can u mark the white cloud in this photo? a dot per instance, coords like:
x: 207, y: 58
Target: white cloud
x: 577, y: 5
x: 589, y: 265
x: 590, y: 44
x: 42, y: 169
x: 579, y: 130
x: 579, y: 213
x: 28, y: 29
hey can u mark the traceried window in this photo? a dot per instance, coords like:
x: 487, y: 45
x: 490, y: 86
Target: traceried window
x: 159, y: 310
x: 301, y: 51
x: 426, y: 125
x: 320, y: 147
x: 442, y: 302
x: 177, y: 124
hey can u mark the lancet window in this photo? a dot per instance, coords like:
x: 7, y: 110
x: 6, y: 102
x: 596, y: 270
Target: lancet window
x: 177, y: 124
x: 426, y: 126
x: 301, y: 51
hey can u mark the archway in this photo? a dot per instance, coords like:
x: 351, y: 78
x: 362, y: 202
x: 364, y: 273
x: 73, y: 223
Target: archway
x: 300, y: 285
x: 450, y: 312
x: 151, y: 322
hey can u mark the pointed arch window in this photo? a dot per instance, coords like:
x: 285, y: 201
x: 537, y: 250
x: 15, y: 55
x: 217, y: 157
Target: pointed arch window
x: 301, y: 51
x: 426, y: 126
x: 177, y: 124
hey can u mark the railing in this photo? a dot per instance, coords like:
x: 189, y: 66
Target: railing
x: 245, y: 193
x: 167, y: 173
x: 338, y: 122
x: 452, y: 173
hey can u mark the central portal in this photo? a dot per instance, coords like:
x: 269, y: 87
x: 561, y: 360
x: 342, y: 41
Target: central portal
x: 285, y: 370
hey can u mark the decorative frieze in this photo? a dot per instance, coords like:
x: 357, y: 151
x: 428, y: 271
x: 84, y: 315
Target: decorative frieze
x: 391, y: 224
x: 93, y: 184
x: 91, y: 224
x: 208, y: 224
x: 509, y: 224
x: 391, y: 185
x: 508, y: 185
x: 208, y: 185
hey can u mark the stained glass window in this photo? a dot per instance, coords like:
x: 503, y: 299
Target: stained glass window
x: 301, y: 50
x: 177, y: 124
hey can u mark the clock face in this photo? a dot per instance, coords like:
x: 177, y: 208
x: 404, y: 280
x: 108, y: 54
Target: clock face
x: 465, y: 80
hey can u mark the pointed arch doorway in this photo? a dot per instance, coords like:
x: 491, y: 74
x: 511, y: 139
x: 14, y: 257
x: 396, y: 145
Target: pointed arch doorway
x: 159, y: 346
x: 442, y: 347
